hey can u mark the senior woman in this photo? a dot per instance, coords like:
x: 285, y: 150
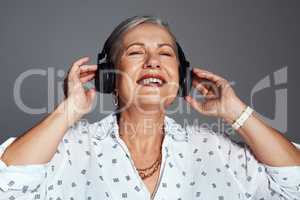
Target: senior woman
x: 139, y: 152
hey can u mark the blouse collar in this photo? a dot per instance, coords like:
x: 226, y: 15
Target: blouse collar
x: 108, y: 126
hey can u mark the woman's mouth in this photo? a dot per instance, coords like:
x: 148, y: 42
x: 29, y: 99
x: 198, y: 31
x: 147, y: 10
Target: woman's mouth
x: 151, y: 80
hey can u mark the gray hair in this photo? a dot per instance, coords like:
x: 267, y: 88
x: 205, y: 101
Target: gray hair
x: 114, y: 41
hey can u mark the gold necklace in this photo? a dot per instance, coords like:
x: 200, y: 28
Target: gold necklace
x: 149, y: 171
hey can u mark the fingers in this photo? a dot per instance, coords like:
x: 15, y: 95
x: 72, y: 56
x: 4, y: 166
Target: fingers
x: 87, y: 77
x: 87, y: 73
x: 207, y: 75
x: 81, y: 61
x: 75, y: 69
x: 206, y: 88
x: 79, y: 70
x: 88, y: 68
x: 200, y: 87
x: 197, y: 105
x: 79, y: 73
x: 216, y: 81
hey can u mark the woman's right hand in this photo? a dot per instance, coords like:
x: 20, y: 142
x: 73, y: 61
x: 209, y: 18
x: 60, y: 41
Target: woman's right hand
x: 79, y: 100
x: 39, y: 144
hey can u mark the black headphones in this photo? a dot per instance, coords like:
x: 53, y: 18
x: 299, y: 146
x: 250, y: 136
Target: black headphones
x: 106, y: 76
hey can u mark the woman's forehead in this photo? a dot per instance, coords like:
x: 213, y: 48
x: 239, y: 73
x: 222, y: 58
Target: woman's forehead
x: 147, y: 33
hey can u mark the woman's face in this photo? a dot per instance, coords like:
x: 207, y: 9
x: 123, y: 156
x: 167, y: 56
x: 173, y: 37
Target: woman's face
x: 148, y: 67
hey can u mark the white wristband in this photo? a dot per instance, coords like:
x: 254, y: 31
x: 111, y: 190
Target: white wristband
x: 242, y: 118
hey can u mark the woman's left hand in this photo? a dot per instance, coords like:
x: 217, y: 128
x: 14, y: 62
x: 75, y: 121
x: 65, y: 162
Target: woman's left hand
x: 220, y: 99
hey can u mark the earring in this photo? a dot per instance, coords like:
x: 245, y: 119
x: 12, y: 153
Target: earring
x: 115, y: 98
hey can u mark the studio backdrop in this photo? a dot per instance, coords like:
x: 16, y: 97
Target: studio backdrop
x: 253, y: 44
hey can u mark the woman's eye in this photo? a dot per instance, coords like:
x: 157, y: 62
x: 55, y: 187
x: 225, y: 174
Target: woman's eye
x: 135, y: 52
x: 165, y: 54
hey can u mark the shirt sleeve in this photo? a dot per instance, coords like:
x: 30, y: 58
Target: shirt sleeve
x: 19, y: 180
x: 258, y: 180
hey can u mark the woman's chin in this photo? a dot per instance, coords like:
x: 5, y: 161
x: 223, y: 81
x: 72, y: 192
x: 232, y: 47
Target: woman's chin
x: 150, y: 102
x: 153, y: 101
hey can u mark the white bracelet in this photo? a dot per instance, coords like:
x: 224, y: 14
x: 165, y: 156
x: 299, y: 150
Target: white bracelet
x: 242, y: 118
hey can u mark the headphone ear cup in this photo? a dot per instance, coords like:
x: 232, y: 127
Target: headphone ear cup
x: 105, y: 78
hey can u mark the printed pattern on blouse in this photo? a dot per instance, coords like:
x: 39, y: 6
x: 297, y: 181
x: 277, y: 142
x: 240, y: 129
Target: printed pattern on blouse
x: 92, y: 162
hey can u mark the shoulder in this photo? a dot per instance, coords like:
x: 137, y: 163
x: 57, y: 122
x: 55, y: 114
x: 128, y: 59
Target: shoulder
x: 81, y: 139
x: 198, y: 136
x: 84, y: 131
x: 207, y: 138
x: 193, y: 134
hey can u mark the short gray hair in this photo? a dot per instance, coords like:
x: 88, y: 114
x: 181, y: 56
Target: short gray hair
x: 114, y: 41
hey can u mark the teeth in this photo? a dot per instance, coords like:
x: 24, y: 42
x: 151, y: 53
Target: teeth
x: 151, y: 80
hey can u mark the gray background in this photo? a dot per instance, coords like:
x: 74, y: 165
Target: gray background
x: 243, y: 41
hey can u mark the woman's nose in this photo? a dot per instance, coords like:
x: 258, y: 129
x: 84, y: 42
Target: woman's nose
x: 152, y: 60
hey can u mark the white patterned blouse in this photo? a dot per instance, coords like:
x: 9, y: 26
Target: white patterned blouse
x: 93, y: 163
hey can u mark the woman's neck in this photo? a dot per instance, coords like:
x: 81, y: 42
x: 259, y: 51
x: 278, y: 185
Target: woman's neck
x: 141, y: 131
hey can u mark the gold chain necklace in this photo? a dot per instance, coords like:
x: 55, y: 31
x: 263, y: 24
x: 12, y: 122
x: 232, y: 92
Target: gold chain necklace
x: 149, y: 171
